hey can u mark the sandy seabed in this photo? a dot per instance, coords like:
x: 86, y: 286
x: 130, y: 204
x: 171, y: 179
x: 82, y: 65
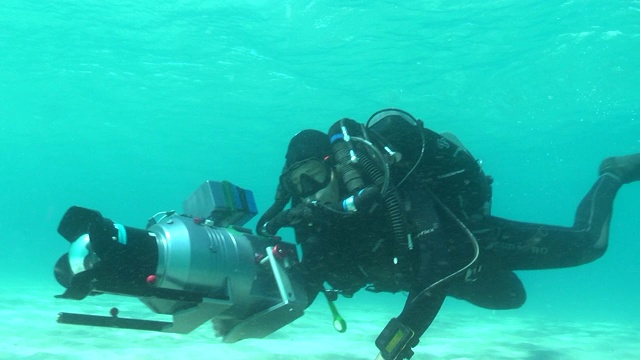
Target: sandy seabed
x: 29, y: 331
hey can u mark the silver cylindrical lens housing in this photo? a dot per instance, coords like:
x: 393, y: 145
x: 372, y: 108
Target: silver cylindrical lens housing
x: 198, y: 258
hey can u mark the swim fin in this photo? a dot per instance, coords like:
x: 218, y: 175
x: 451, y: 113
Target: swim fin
x: 626, y: 168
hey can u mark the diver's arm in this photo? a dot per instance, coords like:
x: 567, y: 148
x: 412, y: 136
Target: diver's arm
x: 433, y: 264
x: 403, y: 333
x: 419, y: 315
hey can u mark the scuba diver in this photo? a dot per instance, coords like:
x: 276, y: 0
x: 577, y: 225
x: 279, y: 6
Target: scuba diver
x: 392, y: 206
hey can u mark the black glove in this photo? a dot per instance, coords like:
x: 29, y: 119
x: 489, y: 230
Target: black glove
x: 290, y: 218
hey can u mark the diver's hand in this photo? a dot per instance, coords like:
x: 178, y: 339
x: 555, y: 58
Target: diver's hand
x: 289, y: 218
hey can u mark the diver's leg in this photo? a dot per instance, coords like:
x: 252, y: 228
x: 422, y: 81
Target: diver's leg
x: 520, y: 245
x: 432, y: 263
x: 490, y: 287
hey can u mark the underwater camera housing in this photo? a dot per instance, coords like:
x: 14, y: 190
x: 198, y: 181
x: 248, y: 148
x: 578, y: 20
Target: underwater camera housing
x: 196, y: 267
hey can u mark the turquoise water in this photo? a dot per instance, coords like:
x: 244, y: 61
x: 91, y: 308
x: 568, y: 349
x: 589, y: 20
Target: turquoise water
x: 126, y: 107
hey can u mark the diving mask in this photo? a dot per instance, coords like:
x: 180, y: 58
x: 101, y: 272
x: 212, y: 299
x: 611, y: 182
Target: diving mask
x: 306, y: 177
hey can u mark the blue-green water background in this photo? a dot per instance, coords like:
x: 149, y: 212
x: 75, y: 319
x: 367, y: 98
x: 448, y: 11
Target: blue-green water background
x: 127, y: 106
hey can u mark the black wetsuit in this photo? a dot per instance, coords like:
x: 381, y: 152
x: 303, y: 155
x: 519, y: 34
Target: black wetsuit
x: 505, y: 245
x: 351, y: 252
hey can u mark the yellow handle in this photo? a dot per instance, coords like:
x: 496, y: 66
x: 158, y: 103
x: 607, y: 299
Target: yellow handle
x: 338, y: 322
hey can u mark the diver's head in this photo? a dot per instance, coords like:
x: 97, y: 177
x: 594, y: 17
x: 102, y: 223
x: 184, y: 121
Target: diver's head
x: 308, y: 172
x: 307, y: 144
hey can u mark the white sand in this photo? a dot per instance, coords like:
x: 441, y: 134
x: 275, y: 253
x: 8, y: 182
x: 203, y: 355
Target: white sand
x: 29, y: 331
